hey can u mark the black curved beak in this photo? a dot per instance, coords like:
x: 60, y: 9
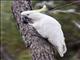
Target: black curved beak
x: 25, y: 19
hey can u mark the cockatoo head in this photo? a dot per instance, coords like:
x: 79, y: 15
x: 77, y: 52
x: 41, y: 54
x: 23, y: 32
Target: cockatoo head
x: 34, y: 14
x: 30, y: 14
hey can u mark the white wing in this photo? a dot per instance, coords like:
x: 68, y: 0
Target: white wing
x: 49, y: 28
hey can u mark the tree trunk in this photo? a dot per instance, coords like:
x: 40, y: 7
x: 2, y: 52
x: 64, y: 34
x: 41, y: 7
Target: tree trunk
x: 40, y: 47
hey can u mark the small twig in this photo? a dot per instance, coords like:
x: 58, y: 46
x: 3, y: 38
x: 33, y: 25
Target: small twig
x: 76, y: 24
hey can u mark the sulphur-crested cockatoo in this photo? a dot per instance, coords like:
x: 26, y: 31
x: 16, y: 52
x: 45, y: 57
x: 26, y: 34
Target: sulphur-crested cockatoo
x: 47, y: 27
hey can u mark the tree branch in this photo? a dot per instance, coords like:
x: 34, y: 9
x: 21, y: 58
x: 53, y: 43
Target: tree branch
x: 76, y: 24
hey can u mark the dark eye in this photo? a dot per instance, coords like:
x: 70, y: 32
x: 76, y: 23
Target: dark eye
x: 27, y: 14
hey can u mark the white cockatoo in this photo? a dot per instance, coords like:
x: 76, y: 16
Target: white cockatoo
x: 47, y: 27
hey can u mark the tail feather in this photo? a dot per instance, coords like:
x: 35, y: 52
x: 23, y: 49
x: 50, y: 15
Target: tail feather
x: 64, y: 49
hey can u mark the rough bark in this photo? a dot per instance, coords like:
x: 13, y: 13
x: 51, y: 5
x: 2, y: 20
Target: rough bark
x: 40, y: 47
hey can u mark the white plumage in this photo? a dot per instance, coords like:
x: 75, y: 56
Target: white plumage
x: 48, y: 27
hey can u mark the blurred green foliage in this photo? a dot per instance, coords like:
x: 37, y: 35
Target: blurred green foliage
x: 11, y: 37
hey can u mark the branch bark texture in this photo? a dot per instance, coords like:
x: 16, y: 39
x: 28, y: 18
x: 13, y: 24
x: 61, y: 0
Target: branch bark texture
x: 40, y: 47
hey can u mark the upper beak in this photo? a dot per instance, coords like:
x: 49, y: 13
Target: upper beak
x: 24, y: 19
